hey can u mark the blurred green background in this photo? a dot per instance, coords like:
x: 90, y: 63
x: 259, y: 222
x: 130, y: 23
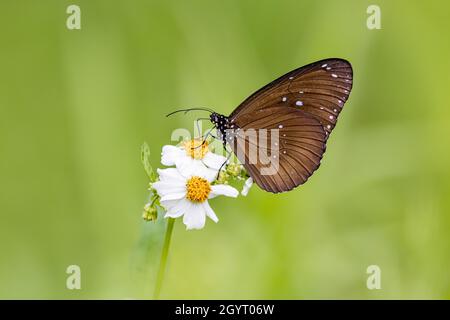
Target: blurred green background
x: 77, y: 104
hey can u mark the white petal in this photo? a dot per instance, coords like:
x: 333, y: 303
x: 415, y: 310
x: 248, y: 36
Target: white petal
x: 205, y: 172
x: 166, y: 187
x: 198, y: 169
x: 214, y: 161
x: 209, y: 174
x: 170, y: 174
x: 169, y: 204
x: 209, y: 212
x: 178, y: 209
x: 173, y: 196
x: 170, y: 154
x: 248, y: 183
x: 187, y: 166
x: 194, y: 217
x: 222, y: 189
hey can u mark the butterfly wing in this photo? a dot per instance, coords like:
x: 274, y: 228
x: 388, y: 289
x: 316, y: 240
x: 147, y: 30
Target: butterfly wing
x: 297, y: 151
x: 320, y: 88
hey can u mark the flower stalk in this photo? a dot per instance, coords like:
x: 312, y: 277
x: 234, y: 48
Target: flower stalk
x: 163, y: 261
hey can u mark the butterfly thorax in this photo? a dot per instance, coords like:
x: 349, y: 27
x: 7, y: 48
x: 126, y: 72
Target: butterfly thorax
x: 221, y: 122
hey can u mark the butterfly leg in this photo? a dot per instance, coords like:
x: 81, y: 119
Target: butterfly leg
x: 197, y: 124
x: 207, y: 135
x: 223, y: 164
x: 229, y: 154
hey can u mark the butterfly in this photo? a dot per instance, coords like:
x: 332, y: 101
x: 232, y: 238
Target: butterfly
x: 297, y: 113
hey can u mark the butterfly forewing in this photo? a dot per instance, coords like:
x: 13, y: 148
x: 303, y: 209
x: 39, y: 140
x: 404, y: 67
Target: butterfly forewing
x: 296, y: 150
x: 320, y: 88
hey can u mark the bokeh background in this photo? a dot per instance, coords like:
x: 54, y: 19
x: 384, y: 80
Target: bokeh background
x: 76, y: 105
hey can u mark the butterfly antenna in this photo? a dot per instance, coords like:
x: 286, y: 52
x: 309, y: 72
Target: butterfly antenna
x: 190, y: 109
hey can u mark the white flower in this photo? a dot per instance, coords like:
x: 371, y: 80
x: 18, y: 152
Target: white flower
x: 185, y: 191
x: 247, y: 185
x: 191, y: 152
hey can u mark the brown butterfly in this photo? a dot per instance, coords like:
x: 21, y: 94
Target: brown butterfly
x: 302, y: 108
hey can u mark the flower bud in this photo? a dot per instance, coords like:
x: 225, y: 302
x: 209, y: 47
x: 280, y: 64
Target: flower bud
x: 234, y: 169
x: 223, y: 178
x: 150, y: 213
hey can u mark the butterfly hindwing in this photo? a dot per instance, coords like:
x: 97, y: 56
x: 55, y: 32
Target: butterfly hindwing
x: 298, y: 149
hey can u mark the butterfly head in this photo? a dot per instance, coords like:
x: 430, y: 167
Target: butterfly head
x: 220, y: 121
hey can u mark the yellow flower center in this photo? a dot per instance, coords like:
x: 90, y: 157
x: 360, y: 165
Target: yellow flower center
x: 198, y: 189
x: 196, y: 148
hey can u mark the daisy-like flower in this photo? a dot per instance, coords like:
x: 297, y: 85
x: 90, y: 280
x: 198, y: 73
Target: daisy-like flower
x: 185, y: 191
x: 190, y: 153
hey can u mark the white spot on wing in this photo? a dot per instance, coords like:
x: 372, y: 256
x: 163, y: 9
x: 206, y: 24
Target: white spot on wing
x: 284, y: 99
x: 299, y: 103
x: 334, y: 75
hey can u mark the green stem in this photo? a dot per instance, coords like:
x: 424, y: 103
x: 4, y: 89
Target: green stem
x: 163, y: 261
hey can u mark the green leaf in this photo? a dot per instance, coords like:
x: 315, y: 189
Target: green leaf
x: 145, y: 158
